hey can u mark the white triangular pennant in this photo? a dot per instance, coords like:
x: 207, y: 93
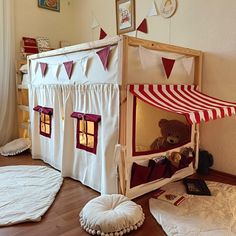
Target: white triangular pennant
x: 95, y: 23
x: 56, y: 70
x: 153, y: 10
x: 84, y: 63
x: 36, y: 67
x: 148, y: 58
x: 188, y: 64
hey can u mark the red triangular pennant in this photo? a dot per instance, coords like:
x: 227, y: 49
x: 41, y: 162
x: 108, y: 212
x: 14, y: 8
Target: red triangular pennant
x: 68, y: 67
x: 168, y: 65
x: 43, y: 67
x: 143, y: 26
x: 102, y: 34
x: 103, y: 55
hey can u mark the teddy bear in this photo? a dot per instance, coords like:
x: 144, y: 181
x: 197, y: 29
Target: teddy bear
x: 174, y: 133
x: 182, y: 158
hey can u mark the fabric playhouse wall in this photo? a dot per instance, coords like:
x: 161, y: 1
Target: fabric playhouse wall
x: 98, y: 171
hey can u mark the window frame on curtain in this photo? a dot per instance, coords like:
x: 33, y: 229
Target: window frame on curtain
x: 95, y: 119
x: 44, y: 111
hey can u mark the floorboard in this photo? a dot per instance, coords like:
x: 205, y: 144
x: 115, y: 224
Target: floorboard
x: 62, y: 217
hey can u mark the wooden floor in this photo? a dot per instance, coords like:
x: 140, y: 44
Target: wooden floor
x: 62, y: 216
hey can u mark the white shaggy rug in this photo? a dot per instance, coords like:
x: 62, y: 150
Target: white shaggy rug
x: 26, y: 192
x: 198, y: 215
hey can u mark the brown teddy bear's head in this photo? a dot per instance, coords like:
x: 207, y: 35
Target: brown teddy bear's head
x: 175, y: 131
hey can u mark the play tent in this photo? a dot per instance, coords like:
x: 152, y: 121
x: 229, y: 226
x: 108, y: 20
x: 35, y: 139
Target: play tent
x: 94, y: 109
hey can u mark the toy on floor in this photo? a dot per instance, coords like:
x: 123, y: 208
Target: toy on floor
x: 174, y: 133
x: 205, y: 161
x: 175, y: 158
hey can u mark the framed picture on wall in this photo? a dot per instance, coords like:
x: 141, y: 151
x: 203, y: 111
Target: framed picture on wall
x: 125, y: 16
x: 53, y: 5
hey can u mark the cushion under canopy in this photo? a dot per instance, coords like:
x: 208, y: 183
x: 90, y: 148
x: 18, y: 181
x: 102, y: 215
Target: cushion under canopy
x: 111, y: 214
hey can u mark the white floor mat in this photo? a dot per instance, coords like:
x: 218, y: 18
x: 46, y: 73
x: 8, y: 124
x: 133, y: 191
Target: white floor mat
x: 26, y: 192
x: 198, y: 215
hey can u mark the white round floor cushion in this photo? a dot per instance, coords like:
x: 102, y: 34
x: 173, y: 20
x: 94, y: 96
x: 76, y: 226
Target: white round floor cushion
x: 111, y: 215
x: 15, y: 147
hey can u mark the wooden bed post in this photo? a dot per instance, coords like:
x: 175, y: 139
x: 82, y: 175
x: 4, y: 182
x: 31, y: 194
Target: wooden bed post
x: 123, y: 112
x: 198, y: 82
x: 198, y: 70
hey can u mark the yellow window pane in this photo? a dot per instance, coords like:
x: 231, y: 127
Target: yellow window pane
x: 43, y: 127
x: 90, y: 127
x: 47, y: 129
x: 42, y: 117
x: 82, y: 125
x: 90, y: 141
x: 47, y: 119
x: 82, y: 139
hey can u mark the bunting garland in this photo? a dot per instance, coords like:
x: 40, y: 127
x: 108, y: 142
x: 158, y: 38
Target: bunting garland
x: 153, y: 10
x: 95, y: 23
x: 84, y: 63
x: 68, y: 67
x: 168, y: 65
x: 103, y: 34
x: 143, y: 26
x: 43, y: 67
x: 188, y: 64
x: 56, y: 70
x: 147, y: 57
x: 36, y: 67
x: 150, y: 59
x: 104, y: 55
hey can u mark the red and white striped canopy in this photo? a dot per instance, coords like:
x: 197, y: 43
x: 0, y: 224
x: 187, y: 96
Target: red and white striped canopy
x: 184, y: 100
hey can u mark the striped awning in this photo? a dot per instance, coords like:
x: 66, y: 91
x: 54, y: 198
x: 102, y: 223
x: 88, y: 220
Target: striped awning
x: 184, y: 100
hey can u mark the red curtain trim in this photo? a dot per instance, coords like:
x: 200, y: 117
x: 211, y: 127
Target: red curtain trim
x: 87, y: 117
x: 45, y: 110
x: 37, y: 108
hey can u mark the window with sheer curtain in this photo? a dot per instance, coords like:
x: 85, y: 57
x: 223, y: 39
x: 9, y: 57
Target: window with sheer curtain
x: 7, y: 74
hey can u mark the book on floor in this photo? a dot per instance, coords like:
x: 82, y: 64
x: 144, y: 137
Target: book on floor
x: 167, y: 196
x: 196, y: 187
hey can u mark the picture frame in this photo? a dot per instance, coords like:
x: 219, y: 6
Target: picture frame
x: 53, y: 5
x: 125, y: 16
x: 196, y: 187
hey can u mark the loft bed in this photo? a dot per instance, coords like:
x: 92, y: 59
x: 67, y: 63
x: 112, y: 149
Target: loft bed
x: 92, y: 116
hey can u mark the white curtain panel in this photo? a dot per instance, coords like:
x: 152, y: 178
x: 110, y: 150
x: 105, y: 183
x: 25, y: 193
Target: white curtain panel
x: 7, y: 73
x: 48, y: 149
x: 96, y: 171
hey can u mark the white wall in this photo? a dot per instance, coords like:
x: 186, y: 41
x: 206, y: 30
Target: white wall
x: 104, y: 10
x: 32, y: 21
x: 204, y: 25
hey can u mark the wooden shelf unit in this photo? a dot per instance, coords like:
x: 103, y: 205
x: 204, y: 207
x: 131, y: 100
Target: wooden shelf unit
x: 22, y: 102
